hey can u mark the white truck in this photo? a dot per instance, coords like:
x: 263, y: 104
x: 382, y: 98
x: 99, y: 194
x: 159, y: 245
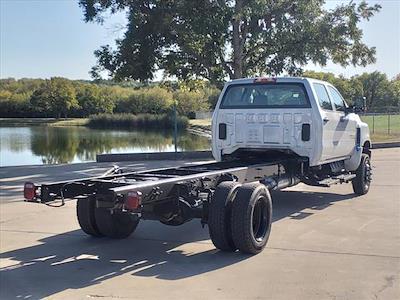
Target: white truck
x: 268, y: 134
x: 302, y: 116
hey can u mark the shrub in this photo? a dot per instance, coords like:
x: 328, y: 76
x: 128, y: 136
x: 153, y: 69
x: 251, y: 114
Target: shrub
x: 140, y: 121
x: 212, y: 95
x: 189, y: 102
x: 155, y: 100
x: 15, y: 108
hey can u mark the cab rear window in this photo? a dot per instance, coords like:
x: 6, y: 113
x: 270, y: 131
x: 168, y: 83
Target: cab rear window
x: 276, y: 95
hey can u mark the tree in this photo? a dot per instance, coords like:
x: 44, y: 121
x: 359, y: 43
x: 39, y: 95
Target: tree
x: 55, y: 97
x: 215, y: 39
x: 394, y: 90
x: 375, y: 88
x: 93, y: 100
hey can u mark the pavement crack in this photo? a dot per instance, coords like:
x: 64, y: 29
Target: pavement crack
x: 388, y: 283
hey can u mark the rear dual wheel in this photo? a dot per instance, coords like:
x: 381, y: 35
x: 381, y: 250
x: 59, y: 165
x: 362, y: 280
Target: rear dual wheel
x: 251, y: 218
x: 219, y: 215
x: 116, y: 225
x: 85, y: 208
x: 100, y: 222
x: 240, y: 217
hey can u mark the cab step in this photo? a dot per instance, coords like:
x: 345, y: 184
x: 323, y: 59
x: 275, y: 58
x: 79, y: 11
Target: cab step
x: 343, y: 178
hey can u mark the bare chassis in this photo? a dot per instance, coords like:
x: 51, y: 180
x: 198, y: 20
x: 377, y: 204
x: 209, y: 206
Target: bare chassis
x: 173, y: 195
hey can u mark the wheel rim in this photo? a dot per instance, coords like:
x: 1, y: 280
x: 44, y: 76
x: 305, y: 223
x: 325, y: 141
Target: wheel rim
x: 367, y: 174
x: 259, y: 220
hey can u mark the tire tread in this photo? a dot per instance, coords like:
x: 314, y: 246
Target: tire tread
x: 358, y: 181
x: 85, y: 212
x: 219, y: 218
x: 117, y: 225
x: 241, y: 218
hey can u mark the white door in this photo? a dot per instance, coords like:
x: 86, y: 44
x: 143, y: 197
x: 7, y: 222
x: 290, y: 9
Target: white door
x: 330, y: 121
x: 345, y: 132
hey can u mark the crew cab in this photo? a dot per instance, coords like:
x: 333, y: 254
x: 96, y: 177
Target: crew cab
x: 303, y: 116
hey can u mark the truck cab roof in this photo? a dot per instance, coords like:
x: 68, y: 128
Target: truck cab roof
x: 275, y: 79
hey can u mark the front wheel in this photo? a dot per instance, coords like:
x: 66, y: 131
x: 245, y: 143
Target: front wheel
x: 251, y: 218
x: 362, y: 181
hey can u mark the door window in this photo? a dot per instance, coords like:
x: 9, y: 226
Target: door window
x: 323, y: 97
x: 337, y: 99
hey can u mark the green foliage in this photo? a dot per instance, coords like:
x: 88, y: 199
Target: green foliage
x: 58, y: 97
x: 212, y: 93
x: 153, y: 100
x: 219, y: 39
x: 381, y: 94
x: 93, y: 100
x: 61, y: 97
x: 148, y: 121
x: 189, y: 102
x: 378, y: 90
x: 54, y: 97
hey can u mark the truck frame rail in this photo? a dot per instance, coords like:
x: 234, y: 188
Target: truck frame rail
x: 165, y: 194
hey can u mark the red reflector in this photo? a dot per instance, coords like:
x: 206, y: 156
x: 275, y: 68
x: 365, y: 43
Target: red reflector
x: 29, y: 191
x: 133, y: 200
x: 265, y: 79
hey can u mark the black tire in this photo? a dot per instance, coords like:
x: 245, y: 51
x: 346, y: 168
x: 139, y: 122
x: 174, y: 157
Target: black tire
x: 117, y: 225
x: 85, y: 212
x: 251, y: 218
x: 362, y: 181
x: 219, y: 215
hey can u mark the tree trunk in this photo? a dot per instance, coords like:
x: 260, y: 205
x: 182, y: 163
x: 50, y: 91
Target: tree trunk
x: 236, y: 41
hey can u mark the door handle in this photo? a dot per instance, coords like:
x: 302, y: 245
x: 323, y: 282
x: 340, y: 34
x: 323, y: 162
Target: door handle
x: 326, y: 120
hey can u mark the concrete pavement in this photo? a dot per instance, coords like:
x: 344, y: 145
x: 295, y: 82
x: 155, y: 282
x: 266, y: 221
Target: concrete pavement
x: 325, y: 244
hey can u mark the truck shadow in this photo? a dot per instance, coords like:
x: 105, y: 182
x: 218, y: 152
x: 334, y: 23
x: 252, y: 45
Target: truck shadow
x: 73, y: 260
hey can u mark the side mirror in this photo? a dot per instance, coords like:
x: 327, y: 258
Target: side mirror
x: 350, y: 109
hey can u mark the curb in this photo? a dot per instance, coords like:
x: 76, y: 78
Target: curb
x: 154, y: 156
x: 385, y: 145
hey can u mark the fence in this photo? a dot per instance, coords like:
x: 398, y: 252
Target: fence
x: 384, y: 123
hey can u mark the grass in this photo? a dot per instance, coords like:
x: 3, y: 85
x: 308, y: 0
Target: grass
x: 71, y: 122
x: 204, y: 124
x: 140, y: 121
x: 44, y: 121
x: 378, y: 127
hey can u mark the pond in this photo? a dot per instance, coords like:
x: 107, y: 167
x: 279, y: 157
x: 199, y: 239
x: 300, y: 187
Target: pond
x: 41, y: 144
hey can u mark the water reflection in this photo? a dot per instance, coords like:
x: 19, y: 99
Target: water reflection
x: 51, y: 145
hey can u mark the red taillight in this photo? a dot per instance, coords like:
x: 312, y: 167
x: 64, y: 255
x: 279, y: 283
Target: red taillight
x: 133, y: 200
x: 29, y: 191
x: 265, y: 80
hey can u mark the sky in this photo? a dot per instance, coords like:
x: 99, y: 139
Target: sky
x: 45, y: 38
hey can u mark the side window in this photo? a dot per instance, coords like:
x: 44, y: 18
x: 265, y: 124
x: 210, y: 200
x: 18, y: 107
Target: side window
x: 337, y: 99
x: 323, y: 97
